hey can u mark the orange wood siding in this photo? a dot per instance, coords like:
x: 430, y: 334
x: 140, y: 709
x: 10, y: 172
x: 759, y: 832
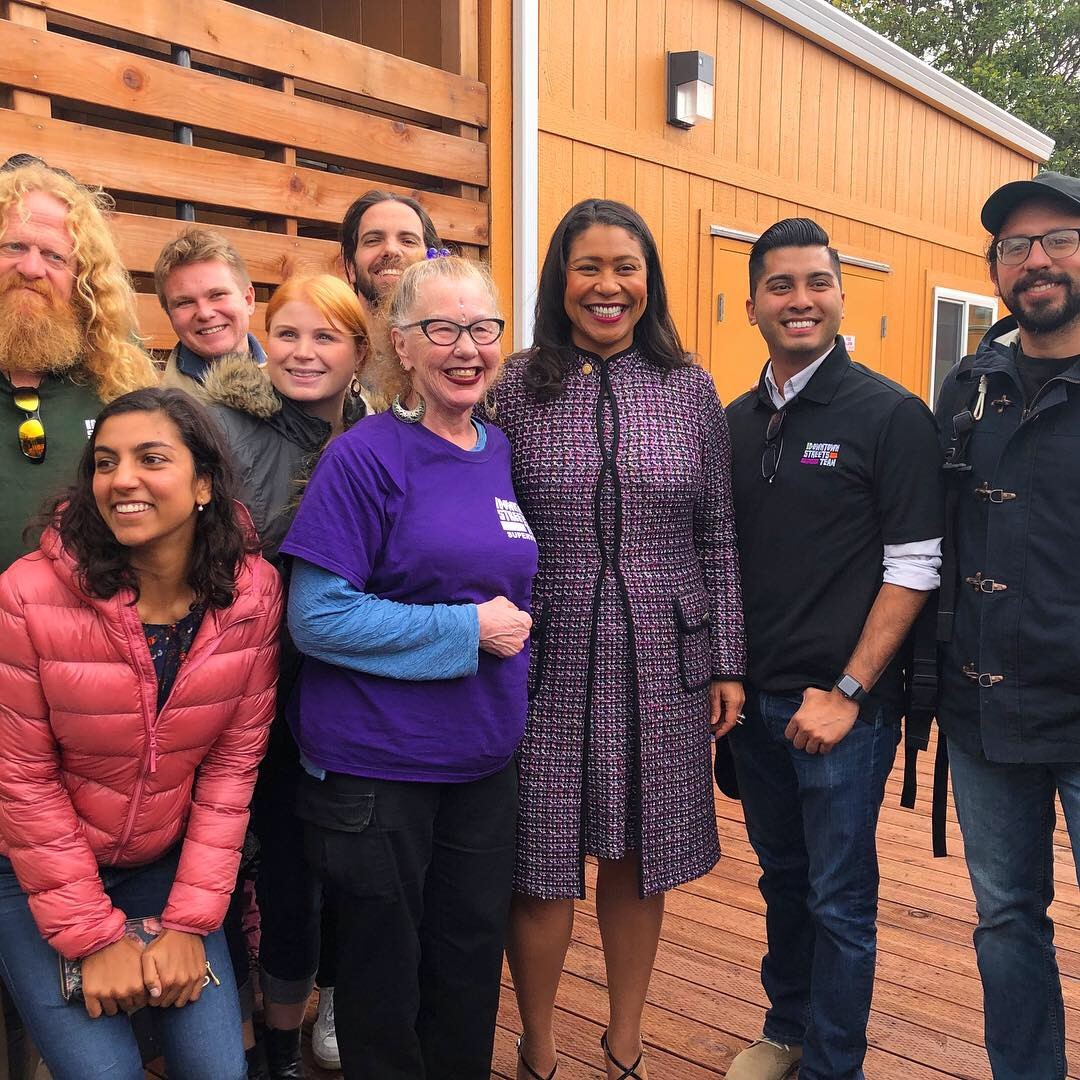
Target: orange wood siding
x: 798, y: 130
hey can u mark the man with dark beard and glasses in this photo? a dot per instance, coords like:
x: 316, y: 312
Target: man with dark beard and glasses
x: 1010, y: 673
x: 67, y: 336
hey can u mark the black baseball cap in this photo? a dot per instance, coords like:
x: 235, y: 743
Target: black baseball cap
x: 996, y: 209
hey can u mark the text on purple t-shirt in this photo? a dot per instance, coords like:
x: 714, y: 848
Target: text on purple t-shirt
x: 401, y: 513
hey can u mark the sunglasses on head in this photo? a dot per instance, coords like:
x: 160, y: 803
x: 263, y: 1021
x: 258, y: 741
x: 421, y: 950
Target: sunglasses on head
x: 31, y: 430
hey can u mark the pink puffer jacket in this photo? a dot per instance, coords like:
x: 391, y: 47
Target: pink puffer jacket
x: 91, y: 775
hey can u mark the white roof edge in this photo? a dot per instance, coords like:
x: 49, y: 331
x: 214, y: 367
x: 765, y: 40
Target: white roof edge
x: 840, y: 33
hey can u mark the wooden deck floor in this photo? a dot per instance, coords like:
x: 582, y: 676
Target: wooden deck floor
x: 706, y: 1002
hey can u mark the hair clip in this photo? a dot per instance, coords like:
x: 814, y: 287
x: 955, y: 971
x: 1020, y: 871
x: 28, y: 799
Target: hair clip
x: 438, y: 253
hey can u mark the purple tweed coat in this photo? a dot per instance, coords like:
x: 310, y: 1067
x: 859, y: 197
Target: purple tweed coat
x: 625, y: 480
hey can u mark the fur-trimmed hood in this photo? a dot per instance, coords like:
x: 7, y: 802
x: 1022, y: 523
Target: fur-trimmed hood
x: 237, y: 382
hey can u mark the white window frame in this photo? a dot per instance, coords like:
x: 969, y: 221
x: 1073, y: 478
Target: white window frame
x: 966, y: 298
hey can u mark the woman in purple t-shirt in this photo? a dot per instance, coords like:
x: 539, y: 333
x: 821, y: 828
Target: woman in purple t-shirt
x: 410, y: 593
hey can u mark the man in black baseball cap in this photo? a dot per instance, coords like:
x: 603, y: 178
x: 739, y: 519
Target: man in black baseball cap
x: 1053, y: 185
x: 1010, y: 672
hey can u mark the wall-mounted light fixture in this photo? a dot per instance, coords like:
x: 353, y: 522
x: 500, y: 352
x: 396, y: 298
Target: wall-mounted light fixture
x: 690, y: 81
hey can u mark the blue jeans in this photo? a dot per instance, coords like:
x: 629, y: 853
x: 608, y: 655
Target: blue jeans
x: 811, y: 819
x: 201, y: 1041
x: 1007, y: 817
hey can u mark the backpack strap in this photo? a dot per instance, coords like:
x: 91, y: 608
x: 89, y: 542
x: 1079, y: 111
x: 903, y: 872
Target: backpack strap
x: 935, y: 622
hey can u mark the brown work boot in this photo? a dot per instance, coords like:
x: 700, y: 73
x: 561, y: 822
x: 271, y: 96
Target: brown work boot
x: 765, y: 1059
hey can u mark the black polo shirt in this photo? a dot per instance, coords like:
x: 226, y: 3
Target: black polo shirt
x: 859, y: 468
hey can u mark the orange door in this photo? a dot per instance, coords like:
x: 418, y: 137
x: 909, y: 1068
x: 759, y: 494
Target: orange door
x: 737, y: 351
x: 864, y: 306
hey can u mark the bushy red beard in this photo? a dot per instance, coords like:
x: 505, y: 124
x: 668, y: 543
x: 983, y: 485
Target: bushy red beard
x: 39, y: 331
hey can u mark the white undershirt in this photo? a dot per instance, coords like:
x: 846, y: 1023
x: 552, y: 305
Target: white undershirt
x: 913, y: 566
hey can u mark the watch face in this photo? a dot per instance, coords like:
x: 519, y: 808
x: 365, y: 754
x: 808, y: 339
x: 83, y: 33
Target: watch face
x: 850, y: 687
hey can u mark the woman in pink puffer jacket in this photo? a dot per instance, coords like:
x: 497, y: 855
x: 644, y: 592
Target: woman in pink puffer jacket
x: 138, y: 662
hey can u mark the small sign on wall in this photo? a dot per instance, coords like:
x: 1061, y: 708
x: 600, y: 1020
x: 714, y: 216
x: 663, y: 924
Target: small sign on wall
x: 849, y: 342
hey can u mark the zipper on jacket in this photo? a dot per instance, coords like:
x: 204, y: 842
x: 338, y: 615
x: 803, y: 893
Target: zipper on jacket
x: 151, y: 714
x: 139, y: 651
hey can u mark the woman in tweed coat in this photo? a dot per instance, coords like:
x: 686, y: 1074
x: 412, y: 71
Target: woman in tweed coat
x: 621, y: 464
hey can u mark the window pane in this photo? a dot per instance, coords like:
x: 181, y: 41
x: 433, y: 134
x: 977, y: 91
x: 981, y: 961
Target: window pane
x: 980, y: 319
x: 948, y: 341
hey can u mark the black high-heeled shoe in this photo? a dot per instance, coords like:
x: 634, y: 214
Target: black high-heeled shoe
x: 628, y: 1072
x: 530, y: 1070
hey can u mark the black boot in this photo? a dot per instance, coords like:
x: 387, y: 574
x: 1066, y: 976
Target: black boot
x: 283, y: 1053
x: 256, y: 1062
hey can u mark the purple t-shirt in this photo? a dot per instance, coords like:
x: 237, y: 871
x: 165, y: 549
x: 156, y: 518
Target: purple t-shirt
x: 401, y: 513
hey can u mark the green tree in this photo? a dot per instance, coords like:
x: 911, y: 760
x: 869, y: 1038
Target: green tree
x: 1023, y: 55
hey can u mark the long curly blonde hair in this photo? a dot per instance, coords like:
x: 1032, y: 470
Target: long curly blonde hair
x: 112, y: 361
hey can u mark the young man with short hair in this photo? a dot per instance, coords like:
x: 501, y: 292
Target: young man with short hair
x: 205, y: 289
x: 1010, y: 674
x: 838, y: 511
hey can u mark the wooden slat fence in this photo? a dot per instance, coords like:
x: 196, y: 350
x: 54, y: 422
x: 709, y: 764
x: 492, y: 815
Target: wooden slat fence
x: 288, y: 125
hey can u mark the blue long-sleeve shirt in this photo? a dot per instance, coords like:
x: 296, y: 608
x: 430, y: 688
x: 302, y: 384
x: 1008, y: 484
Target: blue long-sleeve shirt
x: 335, y: 622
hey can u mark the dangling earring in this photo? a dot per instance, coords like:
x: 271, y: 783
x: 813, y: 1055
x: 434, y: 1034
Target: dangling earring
x: 354, y: 407
x: 199, y: 507
x: 491, y: 404
x: 408, y: 416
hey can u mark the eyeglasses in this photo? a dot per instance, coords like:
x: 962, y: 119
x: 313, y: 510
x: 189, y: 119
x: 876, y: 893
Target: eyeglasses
x: 31, y: 430
x: 774, y: 446
x: 1059, y: 244
x: 444, y: 332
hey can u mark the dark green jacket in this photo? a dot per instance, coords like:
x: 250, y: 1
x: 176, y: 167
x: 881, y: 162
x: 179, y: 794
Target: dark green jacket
x: 68, y: 410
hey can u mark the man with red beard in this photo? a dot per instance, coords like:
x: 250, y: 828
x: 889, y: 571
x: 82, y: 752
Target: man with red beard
x: 67, y: 332
x: 383, y: 233
x: 1010, y: 670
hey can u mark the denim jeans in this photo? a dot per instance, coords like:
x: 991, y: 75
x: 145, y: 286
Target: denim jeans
x: 201, y: 1041
x: 1007, y: 818
x: 811, y: 819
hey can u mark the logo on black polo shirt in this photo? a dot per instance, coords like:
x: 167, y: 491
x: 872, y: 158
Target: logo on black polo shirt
x: 825, y: 454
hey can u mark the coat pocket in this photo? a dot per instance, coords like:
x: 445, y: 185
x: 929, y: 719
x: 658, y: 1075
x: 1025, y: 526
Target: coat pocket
x: 537, y: 646
x: 692, y: 641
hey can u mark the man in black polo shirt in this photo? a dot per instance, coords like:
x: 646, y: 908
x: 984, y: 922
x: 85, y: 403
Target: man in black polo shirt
x: 838, y: 506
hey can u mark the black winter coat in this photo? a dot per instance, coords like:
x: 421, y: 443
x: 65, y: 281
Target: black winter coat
x: 1010, y: 680
x: 273, y: 441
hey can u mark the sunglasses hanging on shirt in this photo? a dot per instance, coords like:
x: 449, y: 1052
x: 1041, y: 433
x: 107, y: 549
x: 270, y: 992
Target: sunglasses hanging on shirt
x: 774, y: 446
x: 31, y: 429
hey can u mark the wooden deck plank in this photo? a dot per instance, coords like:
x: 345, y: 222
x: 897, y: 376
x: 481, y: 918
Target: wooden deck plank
x: 706, y: 1002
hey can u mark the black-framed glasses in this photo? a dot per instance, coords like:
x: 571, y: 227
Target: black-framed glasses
x: 445, y: 332
x: 31, y: 430
x: 774, y: 446
x: 1059, y: 244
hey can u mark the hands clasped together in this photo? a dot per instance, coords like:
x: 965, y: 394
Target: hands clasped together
x: 127, y: 975
x: 504, y: 627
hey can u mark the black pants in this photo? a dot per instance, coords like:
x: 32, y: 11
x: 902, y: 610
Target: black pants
x: 422, y: 874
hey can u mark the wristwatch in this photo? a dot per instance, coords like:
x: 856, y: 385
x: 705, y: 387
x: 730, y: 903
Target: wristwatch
x: 851, y: 688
